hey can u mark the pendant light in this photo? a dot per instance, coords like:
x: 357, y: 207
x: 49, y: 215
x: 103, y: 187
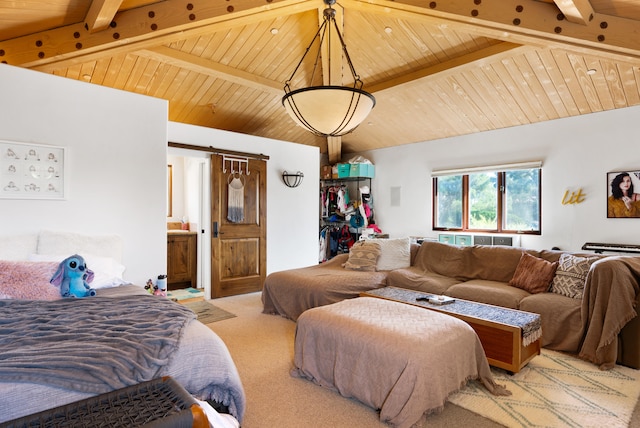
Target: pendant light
x: 328, y: 110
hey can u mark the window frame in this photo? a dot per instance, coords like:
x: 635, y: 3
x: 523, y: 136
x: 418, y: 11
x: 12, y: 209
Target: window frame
x: 500, y: 212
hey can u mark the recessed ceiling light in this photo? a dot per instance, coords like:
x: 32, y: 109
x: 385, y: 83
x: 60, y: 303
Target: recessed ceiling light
x: 274, y: 31
x: 388, y: 30
x: 591, y: 71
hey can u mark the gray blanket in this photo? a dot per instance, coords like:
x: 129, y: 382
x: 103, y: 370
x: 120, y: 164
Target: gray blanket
x: 91, y: 345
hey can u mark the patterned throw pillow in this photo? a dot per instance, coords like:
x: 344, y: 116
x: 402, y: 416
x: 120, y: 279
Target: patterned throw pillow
x: 571, y: 275
x: 533, y: 274
x: 363, y: 256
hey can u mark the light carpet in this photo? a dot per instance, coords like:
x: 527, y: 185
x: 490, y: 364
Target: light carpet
x: 208, y: 313
x: 557, y: 390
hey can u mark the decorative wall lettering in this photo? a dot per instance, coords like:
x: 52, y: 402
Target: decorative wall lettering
x: 573, y: 197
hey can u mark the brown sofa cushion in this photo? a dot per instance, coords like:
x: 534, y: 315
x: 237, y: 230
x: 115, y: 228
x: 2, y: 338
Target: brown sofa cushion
x: 560, y: 317
x: 419, y: 280
x: 443, y: 259
x: 492, y: 263
x: 533, y: 274
x: 490, y: 292
x: 467, y: 263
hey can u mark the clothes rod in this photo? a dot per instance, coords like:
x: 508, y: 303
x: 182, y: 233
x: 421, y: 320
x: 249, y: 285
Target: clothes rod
x: 215, y: 151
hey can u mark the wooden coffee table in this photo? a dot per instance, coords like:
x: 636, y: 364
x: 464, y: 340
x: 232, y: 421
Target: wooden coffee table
x: 503, y: 332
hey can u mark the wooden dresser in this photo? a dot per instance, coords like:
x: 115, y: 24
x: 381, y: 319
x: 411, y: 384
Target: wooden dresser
x: 182, y: 259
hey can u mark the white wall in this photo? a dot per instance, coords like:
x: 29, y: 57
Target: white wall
x: 116, y: 143
x: 292, y: 214
x: 117, y: 169
x: 576, y: 153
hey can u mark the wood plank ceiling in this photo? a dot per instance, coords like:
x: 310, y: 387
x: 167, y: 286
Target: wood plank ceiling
x: 437, y: 69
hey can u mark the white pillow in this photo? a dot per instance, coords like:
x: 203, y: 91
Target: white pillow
x: 394, y: 253
x: 50, y: 242
x: 107, y: 272
x: 17, y: 247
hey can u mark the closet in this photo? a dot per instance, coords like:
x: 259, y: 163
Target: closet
x: 346, y: 212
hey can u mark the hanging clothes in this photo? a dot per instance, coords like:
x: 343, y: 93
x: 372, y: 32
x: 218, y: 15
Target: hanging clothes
x: 334, y: 237
x: 342, y: 207
x: 322, y: 256
x: 325, y: 201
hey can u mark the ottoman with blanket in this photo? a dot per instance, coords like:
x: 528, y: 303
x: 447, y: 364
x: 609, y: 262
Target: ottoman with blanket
x: 400, y: 359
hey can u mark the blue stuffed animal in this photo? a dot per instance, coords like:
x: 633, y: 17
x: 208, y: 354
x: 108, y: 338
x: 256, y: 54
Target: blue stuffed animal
x: 73, y: 278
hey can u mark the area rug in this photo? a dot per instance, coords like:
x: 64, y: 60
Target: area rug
x: 557, y: 390
x: 185, y: 294
x: 208, y: 312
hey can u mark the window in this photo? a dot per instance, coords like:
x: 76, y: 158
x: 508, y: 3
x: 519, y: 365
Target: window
x: 502, y: 201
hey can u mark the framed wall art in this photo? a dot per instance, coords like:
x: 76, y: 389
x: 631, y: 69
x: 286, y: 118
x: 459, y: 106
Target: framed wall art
x: 31, y: 171
x: 623, y: 194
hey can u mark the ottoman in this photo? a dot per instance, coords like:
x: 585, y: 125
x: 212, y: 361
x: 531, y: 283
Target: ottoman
x: 398, y: 358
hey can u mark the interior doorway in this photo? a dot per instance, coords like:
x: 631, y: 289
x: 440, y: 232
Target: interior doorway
x: 190, y: 204
x: 192, y: 196
x: 239, y: 222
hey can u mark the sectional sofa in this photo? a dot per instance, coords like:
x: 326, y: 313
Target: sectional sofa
x: 587, y: 302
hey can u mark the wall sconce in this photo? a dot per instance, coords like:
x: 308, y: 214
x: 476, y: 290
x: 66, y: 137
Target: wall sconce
x: 292, y: 179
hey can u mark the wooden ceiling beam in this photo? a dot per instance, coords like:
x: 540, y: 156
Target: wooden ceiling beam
x: 474, y: 59
x: 101, y: 14
x: 207, y: 67
x: 529, y: 22
x: 134, y: 29
x: 518, y: 21
x: 576, y: 11
x: 334, y: 149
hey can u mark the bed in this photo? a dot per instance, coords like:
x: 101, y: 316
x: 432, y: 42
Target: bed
x: 56, y: 351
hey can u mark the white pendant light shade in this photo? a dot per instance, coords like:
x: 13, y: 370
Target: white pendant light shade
x: 329, y: 110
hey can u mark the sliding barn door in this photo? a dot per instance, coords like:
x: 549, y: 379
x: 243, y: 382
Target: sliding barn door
x: 239, y: 226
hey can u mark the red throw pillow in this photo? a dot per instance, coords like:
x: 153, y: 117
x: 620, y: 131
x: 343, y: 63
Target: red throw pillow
x: 533, y: 274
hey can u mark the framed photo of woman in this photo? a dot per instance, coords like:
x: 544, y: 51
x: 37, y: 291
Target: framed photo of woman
x: 623, y: 194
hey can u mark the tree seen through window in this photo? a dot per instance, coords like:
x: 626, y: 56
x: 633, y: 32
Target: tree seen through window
x: 491, y: 201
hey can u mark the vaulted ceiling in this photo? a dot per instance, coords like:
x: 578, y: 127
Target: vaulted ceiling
x: 437, y: 68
